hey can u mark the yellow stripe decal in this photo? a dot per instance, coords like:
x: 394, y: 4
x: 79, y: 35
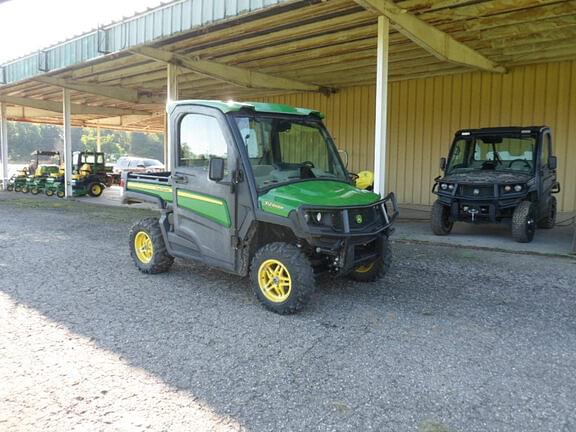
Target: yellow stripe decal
x: 200, y: 198
x: 150, y: 187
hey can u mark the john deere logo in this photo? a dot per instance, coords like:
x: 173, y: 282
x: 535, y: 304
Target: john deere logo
x: 359, y: 219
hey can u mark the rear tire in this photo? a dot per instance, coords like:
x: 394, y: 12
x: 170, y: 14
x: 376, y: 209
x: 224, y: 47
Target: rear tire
x: 377, y: 269
x: 10, y: 188
x: 34, y: 191
x: 60, y: 194
x: 550, y: 220
x: 440, y: 219
x: 524, y: 222
x: 282, y: 278
x: 95, y: 190
x: 147, y: 247
x: 49, y: 192
x: 25, y: 189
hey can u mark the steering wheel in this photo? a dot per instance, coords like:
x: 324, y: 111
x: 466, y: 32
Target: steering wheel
x: 353, y: 176
x: 307, y: 163
x: 524, y: 161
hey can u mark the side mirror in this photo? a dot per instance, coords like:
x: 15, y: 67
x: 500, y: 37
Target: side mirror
x: 552, y: 162
x: 442, y: 163
x: 216, y: 169
x: 344, y: 156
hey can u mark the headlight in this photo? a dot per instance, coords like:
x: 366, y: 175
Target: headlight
x: 320, y: 218
x: 450, y: 187
x: 507, y: 188
x: 443, y: 186
x: 517, y: 188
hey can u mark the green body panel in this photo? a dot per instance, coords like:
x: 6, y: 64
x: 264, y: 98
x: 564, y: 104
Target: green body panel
x: 227, y: 107
x: 208, y: 206
x: 161, y: 191
x: 283, y: 199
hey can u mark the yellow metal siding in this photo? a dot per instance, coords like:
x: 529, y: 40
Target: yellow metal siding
x: 424, y: 114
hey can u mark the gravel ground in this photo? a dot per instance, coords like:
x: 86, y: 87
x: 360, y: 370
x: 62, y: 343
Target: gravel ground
x: 451, y: 340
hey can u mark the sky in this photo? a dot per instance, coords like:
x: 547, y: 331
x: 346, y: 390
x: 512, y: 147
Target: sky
x: 29, y: 25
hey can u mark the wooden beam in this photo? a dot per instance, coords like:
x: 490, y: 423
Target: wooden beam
x: 231, y: 74
x: 114, y: 92
x: 75, y: 108
x: 433, y: 40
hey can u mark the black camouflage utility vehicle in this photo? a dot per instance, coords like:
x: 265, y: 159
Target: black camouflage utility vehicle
x: 260, y: 189
x: 505, y: 174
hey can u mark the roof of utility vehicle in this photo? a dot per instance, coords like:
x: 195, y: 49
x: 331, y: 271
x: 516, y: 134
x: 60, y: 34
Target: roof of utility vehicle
x: 502, y: 130
x: 232, y: 106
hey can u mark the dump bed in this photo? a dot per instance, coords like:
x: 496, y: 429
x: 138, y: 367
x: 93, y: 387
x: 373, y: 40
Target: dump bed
x: 155, y: 188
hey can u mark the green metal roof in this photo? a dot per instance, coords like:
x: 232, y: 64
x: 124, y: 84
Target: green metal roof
x: 233, y: 106
x: 163, y: 22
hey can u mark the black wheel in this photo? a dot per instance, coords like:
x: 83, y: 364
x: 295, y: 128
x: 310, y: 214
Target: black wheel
x: 282, y: 277
x: 60, y: 194
x: 524, y: 222
x: 34, y: 191
x: 95, y: 190
x: 550, y: 220
x: 10, y: 188
x: 440, y: 219
x: 375, y: 270
x: 147, y: 247
x: 49, y: 192
x: 25, y: 189
x: 17, y: 189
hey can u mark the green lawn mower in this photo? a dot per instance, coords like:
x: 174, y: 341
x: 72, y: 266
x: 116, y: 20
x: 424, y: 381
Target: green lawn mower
x: 42, y: 166
x: 18, y: 180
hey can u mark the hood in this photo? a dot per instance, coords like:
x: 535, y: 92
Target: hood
x: 283, y: 199
x: 486, y: 177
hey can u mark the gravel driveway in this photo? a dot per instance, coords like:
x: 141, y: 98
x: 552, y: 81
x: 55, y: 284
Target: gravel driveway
x: 451, y: 340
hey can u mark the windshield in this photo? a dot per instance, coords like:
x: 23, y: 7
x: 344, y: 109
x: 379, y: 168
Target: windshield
x: 285, y: 150
x: 502, y: 153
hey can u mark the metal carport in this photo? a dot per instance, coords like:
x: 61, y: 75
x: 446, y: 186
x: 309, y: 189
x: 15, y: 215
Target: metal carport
x: 446, y: 63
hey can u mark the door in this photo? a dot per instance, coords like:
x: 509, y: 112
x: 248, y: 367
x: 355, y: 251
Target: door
x: 204, y: 209
x: 548, y: 175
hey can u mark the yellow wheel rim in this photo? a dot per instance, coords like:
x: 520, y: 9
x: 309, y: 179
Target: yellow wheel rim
x: 143, y: 247
x: 274, y: 281
x: 96, y: 189
x: 365, y: 268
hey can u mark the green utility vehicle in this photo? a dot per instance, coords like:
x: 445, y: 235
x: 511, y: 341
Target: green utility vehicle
x: 259, y: 189
x: 494, y: 175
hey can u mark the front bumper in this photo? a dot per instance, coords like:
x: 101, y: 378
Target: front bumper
x: 349, y: 244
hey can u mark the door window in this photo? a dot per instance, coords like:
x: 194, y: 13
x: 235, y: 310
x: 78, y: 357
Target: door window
x: 546, y: 147
x: 201, y: 138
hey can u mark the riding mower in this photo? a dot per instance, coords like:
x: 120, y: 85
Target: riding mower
x: 55, y: 184
x: 18, y: 180
x: 39, y: 172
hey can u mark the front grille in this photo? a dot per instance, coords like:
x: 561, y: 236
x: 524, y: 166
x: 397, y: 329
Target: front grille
x: 483, y: 191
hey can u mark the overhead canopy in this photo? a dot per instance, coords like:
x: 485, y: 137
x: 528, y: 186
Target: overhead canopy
x: 246, y: 49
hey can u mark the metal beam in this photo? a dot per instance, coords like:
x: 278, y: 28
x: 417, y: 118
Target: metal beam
x: 114, y: 92
x: 380, y: 140
x: 438, y: 43
x: 4, y: 146
x: 172, y: 94
x: 67, y: 123
x: 76, y: 109
x: 231, y: 74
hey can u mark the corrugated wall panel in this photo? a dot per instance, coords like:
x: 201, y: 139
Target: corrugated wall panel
x: 424, y: 114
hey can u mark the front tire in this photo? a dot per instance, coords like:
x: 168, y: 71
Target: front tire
x: 25, y: 189
x: 282, y: 278
x: 34, y: 191
x: 49, y: 192
x: 440, y: 219
x: 549, y: 221
x: 375, y: 270
x: 524, y: 222
x: 147, y: 247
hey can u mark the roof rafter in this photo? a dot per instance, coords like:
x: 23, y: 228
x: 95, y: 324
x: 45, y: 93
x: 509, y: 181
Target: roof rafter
x: 76, y: 109
x: 433, y: 40
x: 114, y: 92
x: 231, y: 74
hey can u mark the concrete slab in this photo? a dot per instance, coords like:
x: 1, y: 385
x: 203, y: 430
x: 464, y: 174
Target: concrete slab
x: 413, y: 225
x: 112, y: 197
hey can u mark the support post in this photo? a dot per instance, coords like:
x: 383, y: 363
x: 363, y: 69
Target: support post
x: 574, y: 239
x: 98, y: 141
x: 380, y: 144
x: 4, y: 146
x: 67, y: 117
x: 172, y: 94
